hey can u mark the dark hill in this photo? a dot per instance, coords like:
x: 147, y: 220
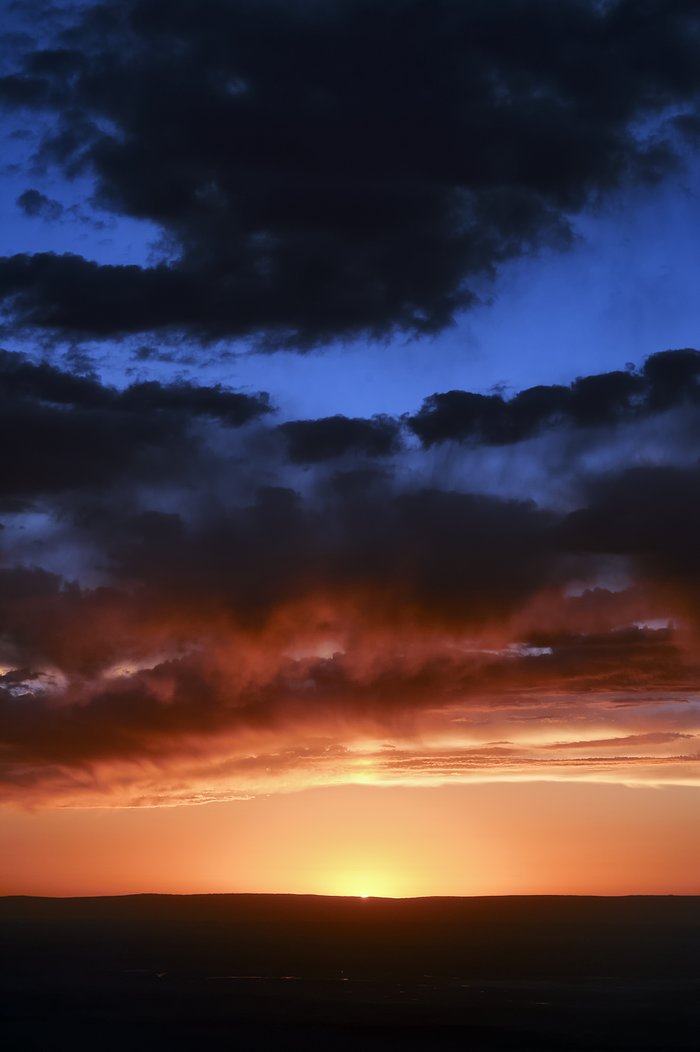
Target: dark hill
x: 249, y: 971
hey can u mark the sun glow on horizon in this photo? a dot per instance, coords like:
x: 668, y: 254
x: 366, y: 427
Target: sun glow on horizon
x: 367, y: 884
x: 367, y: 843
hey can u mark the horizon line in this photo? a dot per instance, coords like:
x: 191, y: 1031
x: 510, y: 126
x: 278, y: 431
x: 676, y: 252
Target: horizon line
x: 359, y: 898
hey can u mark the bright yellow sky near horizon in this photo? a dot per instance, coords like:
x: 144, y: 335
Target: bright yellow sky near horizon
x: 487, y: 839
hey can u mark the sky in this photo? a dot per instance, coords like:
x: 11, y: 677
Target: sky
x: 350, y: 417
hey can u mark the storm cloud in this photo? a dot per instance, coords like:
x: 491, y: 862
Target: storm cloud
x: 63, y: 432
x: 323, y: 171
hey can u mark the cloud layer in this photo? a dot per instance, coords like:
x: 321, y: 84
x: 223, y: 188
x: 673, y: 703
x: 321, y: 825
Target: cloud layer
x: 199, y: 603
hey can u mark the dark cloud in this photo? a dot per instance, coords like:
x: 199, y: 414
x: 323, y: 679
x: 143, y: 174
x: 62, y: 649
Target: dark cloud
x: 37, y: 205
x: 228, y: 407
x: 447, y: 555
x: 669, y: 379
x: 40, y: 381
x: 672, y: 378
x: 21, y: 378
x: 629, y: 658
x: 449, y: 560
x: 312, y: 441
x: 62, y: 432
x: 650, y: 514
x: 326, y: 170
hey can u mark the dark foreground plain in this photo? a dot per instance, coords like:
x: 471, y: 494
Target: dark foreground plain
x: 150, y: 972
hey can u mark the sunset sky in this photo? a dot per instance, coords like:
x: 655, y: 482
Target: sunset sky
x: 350, y: 427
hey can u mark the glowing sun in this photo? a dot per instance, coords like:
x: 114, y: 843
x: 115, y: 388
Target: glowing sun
x: 375, y: 885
